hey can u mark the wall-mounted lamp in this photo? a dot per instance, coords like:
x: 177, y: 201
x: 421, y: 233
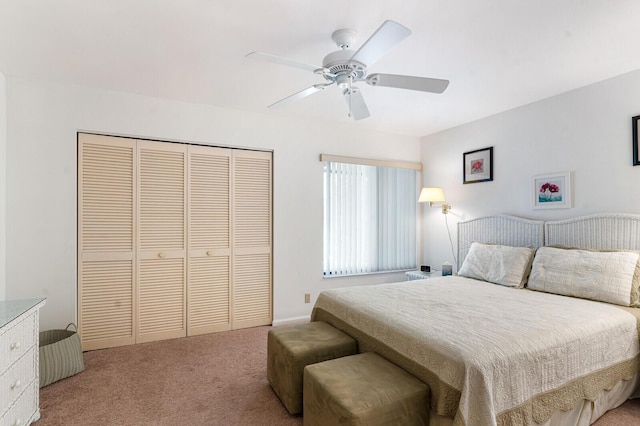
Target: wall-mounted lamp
x: 433, y: 196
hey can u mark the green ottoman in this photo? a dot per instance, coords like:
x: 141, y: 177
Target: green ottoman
x: 363, y: 389
x: 291, y: 348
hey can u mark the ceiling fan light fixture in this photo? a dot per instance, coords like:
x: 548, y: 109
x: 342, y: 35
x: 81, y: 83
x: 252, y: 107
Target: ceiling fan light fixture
x: 344, y: 81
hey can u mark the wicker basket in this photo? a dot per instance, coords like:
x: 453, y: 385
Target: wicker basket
x: 60, y: 355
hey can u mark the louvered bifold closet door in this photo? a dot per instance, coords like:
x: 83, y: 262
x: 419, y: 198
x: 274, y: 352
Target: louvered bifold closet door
x: 106, y: 257
x: 208, y: 287
x: 162, y: 171
x: 252, y: 277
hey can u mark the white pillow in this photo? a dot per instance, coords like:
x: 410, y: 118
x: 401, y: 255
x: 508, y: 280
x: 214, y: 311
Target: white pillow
x: 601, y: 276
x: 498, y: 264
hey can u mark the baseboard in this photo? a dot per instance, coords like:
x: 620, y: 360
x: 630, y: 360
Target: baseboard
x: 287, y: 321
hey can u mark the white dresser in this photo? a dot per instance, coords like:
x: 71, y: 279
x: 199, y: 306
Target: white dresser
x: 19, y: 383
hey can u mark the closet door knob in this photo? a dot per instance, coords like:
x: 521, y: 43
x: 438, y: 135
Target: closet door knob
x: 15, y: 345
x: 16, y: 384
x: 16, y: 422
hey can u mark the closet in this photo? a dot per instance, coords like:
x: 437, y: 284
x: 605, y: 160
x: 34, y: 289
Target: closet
x: 173, y: 240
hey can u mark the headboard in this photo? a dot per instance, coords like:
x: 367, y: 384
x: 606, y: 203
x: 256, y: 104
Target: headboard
x: 505, y: 230
x: 600, y: 231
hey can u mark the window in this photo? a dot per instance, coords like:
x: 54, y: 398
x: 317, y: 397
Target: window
x: 369, y: 216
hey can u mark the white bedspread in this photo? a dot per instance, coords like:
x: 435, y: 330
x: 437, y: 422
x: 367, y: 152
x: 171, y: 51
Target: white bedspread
x: 498, y: 346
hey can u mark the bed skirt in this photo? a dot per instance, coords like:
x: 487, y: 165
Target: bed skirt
x: 584, y: 413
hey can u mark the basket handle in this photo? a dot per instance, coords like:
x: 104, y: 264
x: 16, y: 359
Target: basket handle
x: 74, y: 326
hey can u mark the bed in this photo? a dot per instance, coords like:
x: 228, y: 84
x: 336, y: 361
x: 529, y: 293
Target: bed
x: 495, y: 353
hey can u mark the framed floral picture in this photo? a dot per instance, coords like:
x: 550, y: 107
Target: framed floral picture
x: 552, y: 191
x: 477, y: 166
x: 635, y: 130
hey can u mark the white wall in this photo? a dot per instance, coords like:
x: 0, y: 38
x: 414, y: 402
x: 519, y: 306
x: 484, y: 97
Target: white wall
x: 3, y: 182
x: 41, y: 184
x: 585, y: 131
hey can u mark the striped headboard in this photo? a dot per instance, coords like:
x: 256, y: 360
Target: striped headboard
x: 505, y: 230
x: 600, y: 231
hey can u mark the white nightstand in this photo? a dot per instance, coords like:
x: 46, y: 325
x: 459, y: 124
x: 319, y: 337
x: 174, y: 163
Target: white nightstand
x: 418, y: 275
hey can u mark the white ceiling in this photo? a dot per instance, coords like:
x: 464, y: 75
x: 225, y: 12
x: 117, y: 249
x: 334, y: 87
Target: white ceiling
x: 498, y: 54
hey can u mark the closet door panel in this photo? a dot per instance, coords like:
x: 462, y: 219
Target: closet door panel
x: 209, y: 204
x: 106, y: 269
x: 209, y: 295
x: 161, y: 240
x: 161, y: 299
x: 252, y: 270
x: 252, y: 199
x: 161, y: 196
x: 106, y: 311
x: 252, y: 290
x: 209, y: 240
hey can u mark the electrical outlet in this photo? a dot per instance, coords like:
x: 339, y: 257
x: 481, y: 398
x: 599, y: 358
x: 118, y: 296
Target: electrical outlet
x: 307, y: 298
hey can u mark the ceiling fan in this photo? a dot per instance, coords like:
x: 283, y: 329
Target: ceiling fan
x: 345, y: 67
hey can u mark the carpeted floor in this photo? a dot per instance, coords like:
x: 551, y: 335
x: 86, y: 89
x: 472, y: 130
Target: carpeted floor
x: 215, y: 379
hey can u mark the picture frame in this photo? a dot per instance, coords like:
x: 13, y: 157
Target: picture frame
x: 635, y: 126
x: 477, y: 166
x: 552, y: 191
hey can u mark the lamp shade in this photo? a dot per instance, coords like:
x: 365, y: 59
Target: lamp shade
x: 431, y: 195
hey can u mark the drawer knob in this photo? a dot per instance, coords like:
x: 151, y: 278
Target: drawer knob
x: 16, y: 384
x: 162, y: 255
x: 15, y: 345
x: 209, y: 253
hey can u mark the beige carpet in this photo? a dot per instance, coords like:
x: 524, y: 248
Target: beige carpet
x: 216, y: 379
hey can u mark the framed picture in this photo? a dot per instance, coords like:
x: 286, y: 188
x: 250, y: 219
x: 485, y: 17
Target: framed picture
x: 552, y: 191
x: 477, y: 166
x: 635, y: 121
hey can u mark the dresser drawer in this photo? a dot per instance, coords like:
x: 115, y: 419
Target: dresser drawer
x: 24, y: 410
x: 17, y: 340
x: 14, y: 381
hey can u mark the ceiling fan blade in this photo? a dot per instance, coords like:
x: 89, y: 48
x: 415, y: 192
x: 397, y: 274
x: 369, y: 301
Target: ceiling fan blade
x: 386, y: 36
x: 299, y: 95
x: 423, y: 84
x: 357, y: 107
x: 288, y: 62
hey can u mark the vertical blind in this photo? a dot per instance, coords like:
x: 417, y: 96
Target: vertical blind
x: 369, y: 218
